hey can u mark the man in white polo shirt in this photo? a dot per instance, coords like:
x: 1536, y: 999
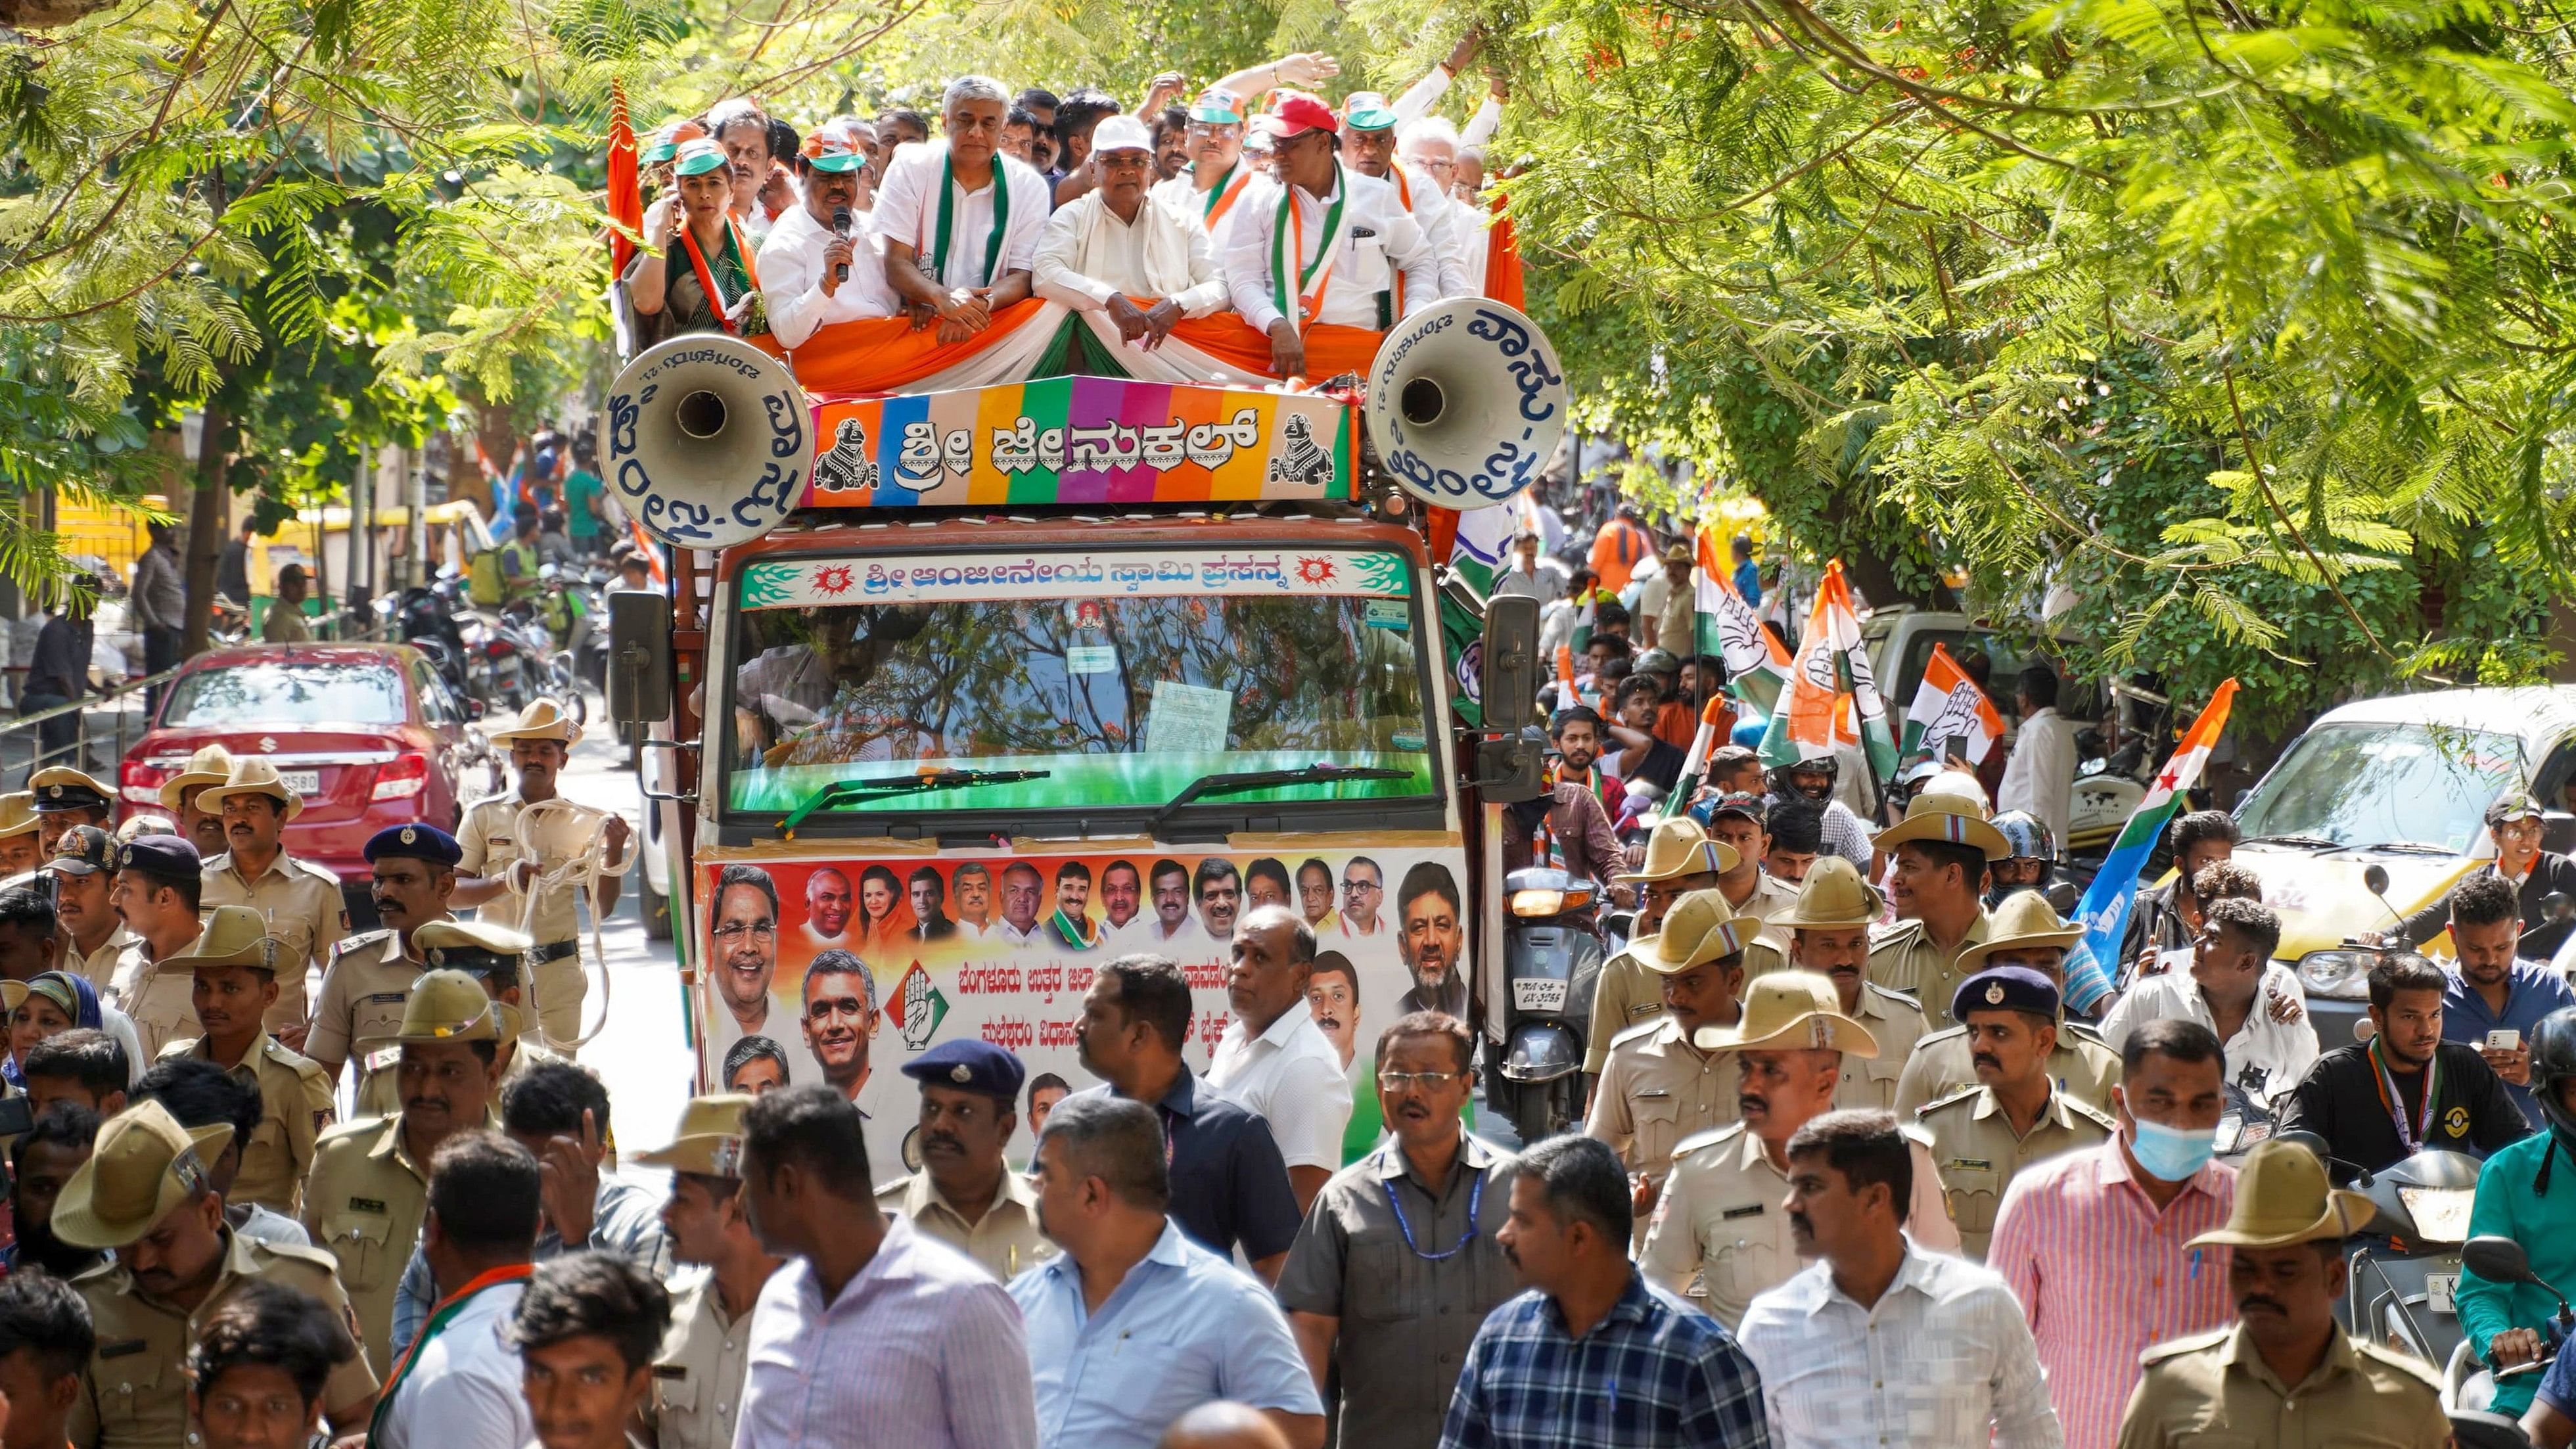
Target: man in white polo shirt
x: 814, y: 273
x: 1273, y: 1059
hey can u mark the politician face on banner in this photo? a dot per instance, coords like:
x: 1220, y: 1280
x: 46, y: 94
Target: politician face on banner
x: 745, y: 942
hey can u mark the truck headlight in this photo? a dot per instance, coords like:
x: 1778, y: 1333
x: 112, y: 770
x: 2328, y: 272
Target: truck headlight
x: 2342, y: 975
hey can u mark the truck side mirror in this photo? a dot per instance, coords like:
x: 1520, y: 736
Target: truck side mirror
x: 1513, y: 768
x: 1507, y: 677
x: 639, y: 657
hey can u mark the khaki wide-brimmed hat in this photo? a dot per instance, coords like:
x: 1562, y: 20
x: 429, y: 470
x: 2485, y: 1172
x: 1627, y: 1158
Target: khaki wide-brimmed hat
x: 1679, y: 847
x: 234, y: 936
x: 2282, y: 1198
x: 710, y: 1137
x: 252, y: 776
x: 1700, y: 928
x: 17, y: 814
x: 1790, y: 1011
x: 1833, y: 897
x: 13, y: 994
x: 543, y: 719
x: 60, y: 787
x: 450, y: 1005
x: 210, y: 765
x: 2024, y: 922
x: 468, y: 945
x: 144, y: 1167
x: 1944, y: 811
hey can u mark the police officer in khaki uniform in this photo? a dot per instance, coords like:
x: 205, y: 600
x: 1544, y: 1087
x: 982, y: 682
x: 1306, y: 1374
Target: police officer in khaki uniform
x: 1828, y: 931
x: 1659, y: 1087
x: 300, y: 902
x: 232, y: 971
x: 540, y: 741
x: 20, y: 849
x: 65, y: 797
x: 145, y: 1192
x: 495, y: 956
x: 2025, y: 933
x: 1719, y: 1233
x: 969, y: 1093
x: 210, y: 765
x: 359, y: 1006
x: 2015, y: 1115
x: 1680, y: 859
x: 370, y: 1182
x: 2286, y: 1375
x: 94, y: 937
x: 697, y: 1377
x: 1937, y: 881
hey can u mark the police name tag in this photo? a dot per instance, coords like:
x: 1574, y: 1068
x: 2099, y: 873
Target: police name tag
x: 1539, y: 993
x: 382, y: 1059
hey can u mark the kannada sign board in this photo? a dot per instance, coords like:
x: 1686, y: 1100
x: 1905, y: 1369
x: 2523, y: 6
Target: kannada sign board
x: 1079, y: 440
x: 840, y: 971
x: 944, y: 578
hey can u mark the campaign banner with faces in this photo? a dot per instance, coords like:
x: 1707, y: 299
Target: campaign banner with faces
x: 839, y: 972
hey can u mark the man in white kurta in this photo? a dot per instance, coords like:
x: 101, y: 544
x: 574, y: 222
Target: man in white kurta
x: 1116, y: 244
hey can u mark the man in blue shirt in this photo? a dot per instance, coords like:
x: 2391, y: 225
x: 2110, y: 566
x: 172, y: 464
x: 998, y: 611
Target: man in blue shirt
x: 1748, y: 578
x: 1133, y: 1325
x: 1592, y: 1353
x: 2491, y: 991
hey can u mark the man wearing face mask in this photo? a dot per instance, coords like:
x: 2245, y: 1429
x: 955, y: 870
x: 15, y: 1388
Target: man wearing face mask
x: 2091, y: 1241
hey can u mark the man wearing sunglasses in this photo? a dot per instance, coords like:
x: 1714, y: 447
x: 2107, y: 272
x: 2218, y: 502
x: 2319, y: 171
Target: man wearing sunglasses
x: 1435, y: 1195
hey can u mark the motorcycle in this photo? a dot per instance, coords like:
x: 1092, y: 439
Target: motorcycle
x: 1552, y: 955
x: 2405, y: 1262
x: 2468, y: 1382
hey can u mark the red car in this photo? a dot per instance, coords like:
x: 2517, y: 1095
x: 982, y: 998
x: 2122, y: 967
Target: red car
x: 367, y: 733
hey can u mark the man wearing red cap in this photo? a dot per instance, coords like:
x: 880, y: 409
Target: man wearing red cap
x: 1317, y: 241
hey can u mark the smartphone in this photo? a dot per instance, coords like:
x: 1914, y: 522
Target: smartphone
x: 2504, y: 1040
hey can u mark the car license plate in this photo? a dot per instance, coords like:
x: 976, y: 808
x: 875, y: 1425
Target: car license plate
x: 302, y: 782
x: 1542, y: 993
x: 2438, y: 1291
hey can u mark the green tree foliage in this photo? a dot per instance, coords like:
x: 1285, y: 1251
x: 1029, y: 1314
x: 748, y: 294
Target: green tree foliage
x: 2249, y: 325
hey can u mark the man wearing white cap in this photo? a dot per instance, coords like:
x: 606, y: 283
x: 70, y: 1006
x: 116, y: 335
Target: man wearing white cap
x: 490, y: 851
x: 1317, y: 241
x: 1117, y: 242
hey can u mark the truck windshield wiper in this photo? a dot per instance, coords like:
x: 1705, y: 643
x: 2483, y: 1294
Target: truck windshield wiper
x: 2409, y: 847
x: 2312, y: 842
x: 1235, y: 784
x: 840, y: 790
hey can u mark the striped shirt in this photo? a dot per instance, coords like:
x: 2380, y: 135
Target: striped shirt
x: 1654, y: 1373
x: 921, y: 1350
x: 2102, y: 1276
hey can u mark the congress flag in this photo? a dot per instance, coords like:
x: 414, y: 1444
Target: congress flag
x: 2104, y: 914
x: 1950, y: 715
x: 1727, y: 626
x: 1832, y: 699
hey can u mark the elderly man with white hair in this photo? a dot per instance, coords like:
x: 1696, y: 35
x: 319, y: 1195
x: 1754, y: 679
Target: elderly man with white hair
x: 961, y: 220
x: 1118, y: 242
x: 1429, y: 148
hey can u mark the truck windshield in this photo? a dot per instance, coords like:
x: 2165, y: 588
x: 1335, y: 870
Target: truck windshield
x: 1123, y: 677
x: 2365, y: 784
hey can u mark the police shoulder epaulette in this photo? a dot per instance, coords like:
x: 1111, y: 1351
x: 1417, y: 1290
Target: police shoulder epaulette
x: 1642, y: 1029
x: 1930, y: 1037
x: 354, y: 1127
x: 2192, y: 1343
x: 1892, y: 933
x: 296, y: 1253
x: 359, y: 941
x: 2414, y: 1367
x: 2089, y: 1112
x: 1964, y: 1094
x: 1709, y: 1138
x: 1891, y: 998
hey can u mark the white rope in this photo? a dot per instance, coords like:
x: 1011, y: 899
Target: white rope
x: 579, y: 871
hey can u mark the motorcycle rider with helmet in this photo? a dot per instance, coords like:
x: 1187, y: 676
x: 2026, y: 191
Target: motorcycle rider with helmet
x: 2527, y: 1192
x: 1845, y: 834
x: 2033, y: 859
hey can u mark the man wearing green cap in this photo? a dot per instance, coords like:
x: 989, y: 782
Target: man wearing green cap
x: 1368, y: 143
x: 2513, y: 822
x: 145, y: 1192
x: 370, y: 1183
x: 2285, y: 1372
x: 822, y: 263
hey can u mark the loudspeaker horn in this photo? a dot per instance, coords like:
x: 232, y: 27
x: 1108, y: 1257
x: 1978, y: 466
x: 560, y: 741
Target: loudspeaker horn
x: 1466, y: 403
x: 709, y: 440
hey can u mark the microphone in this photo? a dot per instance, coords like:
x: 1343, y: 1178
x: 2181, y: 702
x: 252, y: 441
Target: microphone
x: 841, y: 227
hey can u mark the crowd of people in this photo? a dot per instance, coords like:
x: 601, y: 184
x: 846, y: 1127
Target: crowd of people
x: 1289, y: 215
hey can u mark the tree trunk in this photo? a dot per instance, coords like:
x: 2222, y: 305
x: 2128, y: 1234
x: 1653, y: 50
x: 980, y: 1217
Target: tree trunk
x: 205, y: 533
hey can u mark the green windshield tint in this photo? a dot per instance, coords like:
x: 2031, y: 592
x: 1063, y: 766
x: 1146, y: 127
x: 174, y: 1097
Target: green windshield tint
x: 1123, y: 700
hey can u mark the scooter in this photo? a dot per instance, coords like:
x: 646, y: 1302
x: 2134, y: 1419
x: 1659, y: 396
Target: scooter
x: 1552, y: 956
x: 2405, y: 1263
x: 2468, y: 1382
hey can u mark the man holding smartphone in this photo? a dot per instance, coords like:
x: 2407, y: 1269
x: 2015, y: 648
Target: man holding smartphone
x: 2495, y: 999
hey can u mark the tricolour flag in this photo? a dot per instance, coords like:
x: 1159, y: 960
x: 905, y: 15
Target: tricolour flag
x: 1832, y: 699
x: 2104, y: 914
x: 1950, y: 715
x: 1727, y: 626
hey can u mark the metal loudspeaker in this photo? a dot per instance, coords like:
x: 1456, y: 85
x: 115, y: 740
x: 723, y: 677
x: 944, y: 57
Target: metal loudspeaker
x: 709, y: 440
x: 1466, y: 403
